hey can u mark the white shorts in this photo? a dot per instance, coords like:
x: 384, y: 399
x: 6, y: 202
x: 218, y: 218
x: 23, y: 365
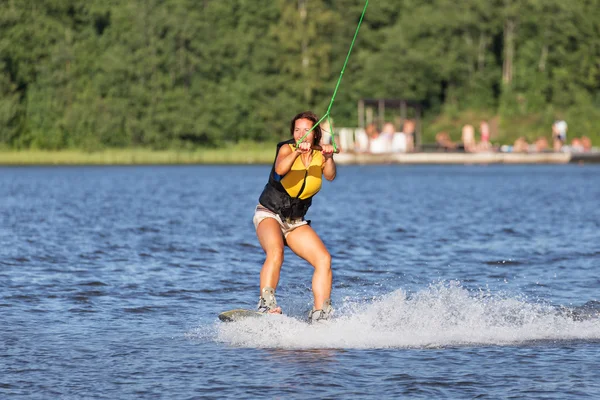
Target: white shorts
x: 287, y: 226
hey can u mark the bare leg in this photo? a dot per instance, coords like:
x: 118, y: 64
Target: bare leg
x: 305, y: 242
x: 271, y: 240
x: 557, y: 145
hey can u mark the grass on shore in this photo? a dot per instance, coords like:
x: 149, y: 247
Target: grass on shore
x: 243, y: 153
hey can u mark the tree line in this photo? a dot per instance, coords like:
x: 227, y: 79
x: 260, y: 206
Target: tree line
x: 186, y: 73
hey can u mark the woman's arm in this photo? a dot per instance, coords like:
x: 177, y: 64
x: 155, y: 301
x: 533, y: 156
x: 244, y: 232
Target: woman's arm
x: 329, y: 169
x: 287, y: 156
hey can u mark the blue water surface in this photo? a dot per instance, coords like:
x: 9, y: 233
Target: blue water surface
x: 449, y: 282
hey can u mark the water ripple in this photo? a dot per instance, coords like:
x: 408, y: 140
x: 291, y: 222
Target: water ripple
x: 449, y: 282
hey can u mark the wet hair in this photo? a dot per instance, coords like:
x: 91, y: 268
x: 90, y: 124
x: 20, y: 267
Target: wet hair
x: 309, y: 115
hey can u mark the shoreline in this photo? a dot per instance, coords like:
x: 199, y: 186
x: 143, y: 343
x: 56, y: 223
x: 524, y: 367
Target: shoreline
x: 238, y: 157
x: 467, y: 158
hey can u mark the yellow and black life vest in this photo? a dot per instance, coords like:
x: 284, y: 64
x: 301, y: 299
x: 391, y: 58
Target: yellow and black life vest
x: 291, y: 195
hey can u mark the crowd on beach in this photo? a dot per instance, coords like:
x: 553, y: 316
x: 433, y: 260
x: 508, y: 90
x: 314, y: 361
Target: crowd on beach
x: 388, y: 140
x: 392, y: 140
x: 541, y: 144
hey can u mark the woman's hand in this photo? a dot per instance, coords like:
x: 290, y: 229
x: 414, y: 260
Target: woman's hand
x: 327, y: 151
x: 329, y: 170
x: 303, y: 148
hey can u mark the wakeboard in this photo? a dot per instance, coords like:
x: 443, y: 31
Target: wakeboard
x: 238, y: 314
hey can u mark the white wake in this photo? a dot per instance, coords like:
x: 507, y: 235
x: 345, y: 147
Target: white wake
x: 442, y: 315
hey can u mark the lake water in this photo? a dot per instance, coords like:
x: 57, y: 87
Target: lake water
x: 449, y: 282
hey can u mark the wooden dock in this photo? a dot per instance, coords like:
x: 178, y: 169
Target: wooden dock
x: 352, y: 158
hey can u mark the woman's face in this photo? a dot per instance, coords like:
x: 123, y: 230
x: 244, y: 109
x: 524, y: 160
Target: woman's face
x: 301, y: 127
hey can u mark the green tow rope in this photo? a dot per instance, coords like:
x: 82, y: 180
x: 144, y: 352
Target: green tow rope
x: 327, y: 114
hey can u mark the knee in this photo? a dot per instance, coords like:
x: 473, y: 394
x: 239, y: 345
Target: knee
x: 275, y: 256
x: 324, y: 262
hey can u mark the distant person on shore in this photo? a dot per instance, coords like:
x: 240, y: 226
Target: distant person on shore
x: 520, y: 145
x: 576, y: 146
x: 409, y: 132
x: 326, y: 130
x: 443, y: 141
x: 484, y: 130
x: 586, y: 142
x: 295, y: 178
x: 377, y: 143
x: 541, y: 145
x: 559, y: 134
x: 388, y: 131
x: 397, y: 139
x: 361, y: 141
x: 468, y: 139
